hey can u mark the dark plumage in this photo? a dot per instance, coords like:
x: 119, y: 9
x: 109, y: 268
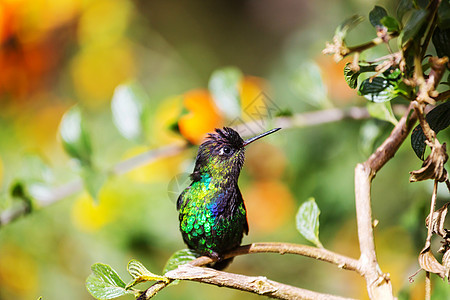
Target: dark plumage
x: 213, y: 217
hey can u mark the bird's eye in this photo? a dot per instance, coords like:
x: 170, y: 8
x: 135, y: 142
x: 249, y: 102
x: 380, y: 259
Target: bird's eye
x: 225, y: 150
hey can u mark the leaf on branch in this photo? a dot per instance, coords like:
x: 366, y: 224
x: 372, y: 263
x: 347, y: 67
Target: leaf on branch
x: 224, y: 87
x: 351, y: 76
x: 446, y: 263
x: 307, y: 220
x: 438, y: 119
x: 180, y: 257
x: 403, y: 7
x: 140, y: 274
x: 376, y: 14
x: 438, y: 219
x: 390, y: 23
x: 75, y: 138
x: 433, y: 166
x: 104, y: 283
x: 378, y: 89
x: 413, y: 26
x: 429, y: 263
x: 441, y: 41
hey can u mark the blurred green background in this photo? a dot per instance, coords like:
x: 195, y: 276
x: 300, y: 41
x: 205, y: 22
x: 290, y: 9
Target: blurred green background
x: 56, y: 53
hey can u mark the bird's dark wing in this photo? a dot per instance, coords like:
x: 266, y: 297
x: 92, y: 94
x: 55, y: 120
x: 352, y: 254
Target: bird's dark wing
x: 239, y: 200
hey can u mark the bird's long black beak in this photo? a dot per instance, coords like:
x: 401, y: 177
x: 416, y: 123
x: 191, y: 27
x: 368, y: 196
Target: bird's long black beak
x: 251, y: 140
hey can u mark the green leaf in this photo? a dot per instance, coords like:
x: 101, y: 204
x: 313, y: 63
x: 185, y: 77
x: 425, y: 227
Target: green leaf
x: 180, y: 257
x: 140, y: 274
x: 351, y: 77
x: 346, y: 26
x: 390, y: 23
x: 414, y: 26
x: 376, y: 14
x: 438, y: 119
x: 403, y: 7
x: 441, y: 41
x: 93, y: 180
x: 382, y: 111
x: 75, y: 138
x: 128, y: 111
x: 444, y: 15
x: 224, y: 87
x: 378, y: 89
x: 104, y: 283
x: 306, y: 81
x: 307, y: 220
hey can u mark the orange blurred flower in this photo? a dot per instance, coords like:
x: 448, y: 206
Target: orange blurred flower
x: 203, y: 116
x: 269, y: 205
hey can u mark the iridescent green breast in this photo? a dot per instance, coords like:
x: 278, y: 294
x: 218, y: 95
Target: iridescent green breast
x: 212, y: 219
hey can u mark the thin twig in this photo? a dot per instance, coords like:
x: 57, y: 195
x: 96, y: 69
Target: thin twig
x: 297, y: 120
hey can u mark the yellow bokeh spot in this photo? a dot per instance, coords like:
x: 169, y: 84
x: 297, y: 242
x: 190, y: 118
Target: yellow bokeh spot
x: 105, y: 20
x: 269, y: 205
x: 159, y: 170
x: 18, y: 272
x: 253, y: 101
x: 90, y: 216
x: 203, y: 116
x: 99, y: 68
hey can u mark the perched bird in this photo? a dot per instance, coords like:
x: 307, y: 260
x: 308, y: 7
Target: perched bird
x: 212, y: 213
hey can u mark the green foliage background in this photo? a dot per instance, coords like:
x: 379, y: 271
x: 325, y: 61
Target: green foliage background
x: 170, y: 48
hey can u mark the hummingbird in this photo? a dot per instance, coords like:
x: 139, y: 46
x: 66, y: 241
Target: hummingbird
x: 212, y: 213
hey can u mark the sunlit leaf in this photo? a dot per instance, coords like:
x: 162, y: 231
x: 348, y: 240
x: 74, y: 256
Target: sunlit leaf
x: 104, y: 283
x: 376, y: 14
x: 75, y: 138
x: 180, y: 257
x: 307, y: 83
x: 390, y: 23
x: 128, y: 111
x: 382, y: 111
x: 223, y: 86
x: 415, y: 23
x: 438, y: 119
x: 307, y: 221
x: 140, y: 274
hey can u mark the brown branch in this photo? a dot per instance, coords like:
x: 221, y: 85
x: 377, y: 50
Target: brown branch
x: 246, y: 283
x: 254, y: 284
x: 378, y: 284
